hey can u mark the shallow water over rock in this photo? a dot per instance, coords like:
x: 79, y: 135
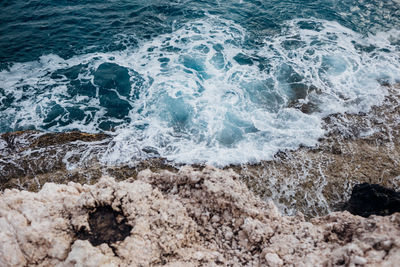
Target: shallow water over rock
x: 313, y: 181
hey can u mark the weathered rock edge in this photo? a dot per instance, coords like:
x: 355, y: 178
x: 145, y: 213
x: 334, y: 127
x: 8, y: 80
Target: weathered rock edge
x: 189, y: 218
x: 357, y: 148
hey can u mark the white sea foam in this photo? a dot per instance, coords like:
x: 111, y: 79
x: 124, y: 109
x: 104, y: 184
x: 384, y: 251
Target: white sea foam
x: 209, y: 97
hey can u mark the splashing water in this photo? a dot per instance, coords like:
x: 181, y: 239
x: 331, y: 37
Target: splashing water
x: 204, y: 92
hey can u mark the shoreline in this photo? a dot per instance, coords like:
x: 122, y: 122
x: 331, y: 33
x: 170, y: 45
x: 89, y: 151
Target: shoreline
x: 321, y: 178
x: 157, y: 214
x: 313, y: 181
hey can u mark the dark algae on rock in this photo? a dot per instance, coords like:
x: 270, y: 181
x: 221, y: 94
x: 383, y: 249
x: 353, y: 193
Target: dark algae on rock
x: 373, y: 199
x: 106, y: 226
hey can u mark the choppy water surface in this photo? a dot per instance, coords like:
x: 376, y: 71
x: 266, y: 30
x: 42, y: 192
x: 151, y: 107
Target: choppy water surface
x: 219, y: 82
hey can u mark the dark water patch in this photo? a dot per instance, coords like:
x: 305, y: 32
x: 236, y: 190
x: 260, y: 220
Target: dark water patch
x: 116, y: 107
x: 77, y: 94
x: 242, y: 59
x: 112, y: 76
x: 70, y: 73
x: 30, y: 29
x: 55, y: 112
x: 6, y: 100
x: 81, y: 87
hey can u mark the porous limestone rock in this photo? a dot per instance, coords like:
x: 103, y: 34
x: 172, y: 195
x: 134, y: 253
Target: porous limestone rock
x: 194, y: 217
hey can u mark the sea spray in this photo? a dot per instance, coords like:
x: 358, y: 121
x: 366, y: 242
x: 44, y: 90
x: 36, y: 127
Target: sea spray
x: 203, y: 94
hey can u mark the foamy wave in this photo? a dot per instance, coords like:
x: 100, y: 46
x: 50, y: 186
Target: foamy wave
x: 203, y: 94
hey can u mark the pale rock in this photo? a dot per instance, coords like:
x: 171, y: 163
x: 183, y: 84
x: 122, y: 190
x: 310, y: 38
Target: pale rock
x: 387, y: 244
x: 189, y: 218
x: 393, y: 258
x: 84, y: 254
x: 10, y: 253
x: 273, y: 260
x: 359, y: 260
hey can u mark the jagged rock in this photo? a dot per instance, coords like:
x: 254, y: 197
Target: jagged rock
x: 190, y: 218
x: 372, y: 199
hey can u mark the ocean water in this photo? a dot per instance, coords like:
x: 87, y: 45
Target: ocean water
x: 217, y: 82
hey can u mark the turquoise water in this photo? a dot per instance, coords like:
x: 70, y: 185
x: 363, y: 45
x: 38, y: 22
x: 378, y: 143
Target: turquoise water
x: 220, y: 82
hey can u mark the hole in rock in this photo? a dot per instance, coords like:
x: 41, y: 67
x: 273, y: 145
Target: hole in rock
x: 373, y: 199
x: 106, y: 226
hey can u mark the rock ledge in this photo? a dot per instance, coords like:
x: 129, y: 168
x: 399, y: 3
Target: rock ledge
x: 189, y: 218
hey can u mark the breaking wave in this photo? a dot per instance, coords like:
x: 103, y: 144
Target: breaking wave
x: 205, y: 94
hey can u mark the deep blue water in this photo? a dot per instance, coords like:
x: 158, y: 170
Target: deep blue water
x: 29, y: 29
x: 195, y: 81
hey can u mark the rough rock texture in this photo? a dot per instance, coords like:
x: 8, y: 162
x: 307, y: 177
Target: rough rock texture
x: 29, y: 159
x: 357, y: 148
x: 189, y: 218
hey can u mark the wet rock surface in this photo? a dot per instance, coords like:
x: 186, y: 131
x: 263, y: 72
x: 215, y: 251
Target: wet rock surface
x: 29, y: 159
x: 357, y: 148
x: 372, y: 199
x: 106, y: 226
x: 189, y: 218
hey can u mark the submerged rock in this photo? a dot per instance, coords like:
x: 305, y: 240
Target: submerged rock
x: 113, y: 76
x: 189, y: 218
x: 372, y: 199
x: 28, y: 159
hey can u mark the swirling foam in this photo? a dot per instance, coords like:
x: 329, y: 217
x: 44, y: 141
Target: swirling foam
x: 203, y: 94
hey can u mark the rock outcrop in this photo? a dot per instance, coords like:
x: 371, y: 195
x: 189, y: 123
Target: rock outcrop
x: 194, y: 217
x: 357, y: 148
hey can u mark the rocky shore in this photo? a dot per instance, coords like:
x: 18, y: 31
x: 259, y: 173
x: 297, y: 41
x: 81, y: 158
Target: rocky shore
x: 357, y: 148
x: 315, y: 181
x: 60, y: 206
x: 188, y: 218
